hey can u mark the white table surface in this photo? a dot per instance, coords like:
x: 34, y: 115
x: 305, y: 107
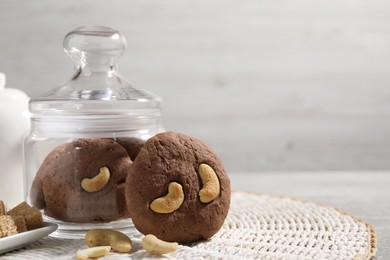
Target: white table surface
x: 365, y: 195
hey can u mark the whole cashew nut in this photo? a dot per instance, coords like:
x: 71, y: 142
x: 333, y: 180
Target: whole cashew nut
x: 107, y: 237
x: 211, y: 187
x: 158, y: 247
x: 170, y: 202
x: 98, y: 182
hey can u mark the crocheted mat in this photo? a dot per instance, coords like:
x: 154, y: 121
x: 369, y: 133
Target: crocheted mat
x: 258, y: 226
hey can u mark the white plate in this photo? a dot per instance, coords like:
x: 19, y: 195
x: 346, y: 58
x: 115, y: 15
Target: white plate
x: 19, y: 240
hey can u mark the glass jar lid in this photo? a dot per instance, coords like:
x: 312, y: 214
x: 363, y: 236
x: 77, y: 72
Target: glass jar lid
x: 96, y: 86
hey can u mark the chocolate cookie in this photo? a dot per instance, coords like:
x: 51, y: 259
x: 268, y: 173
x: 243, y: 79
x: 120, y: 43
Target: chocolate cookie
x: 132, y: 145
x: 83, y: 181
x: 177, y: 189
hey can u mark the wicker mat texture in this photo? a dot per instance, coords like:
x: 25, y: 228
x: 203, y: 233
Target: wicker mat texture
x: 258, y: 227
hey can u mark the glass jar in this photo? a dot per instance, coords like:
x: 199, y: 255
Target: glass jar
x: 84, y: 135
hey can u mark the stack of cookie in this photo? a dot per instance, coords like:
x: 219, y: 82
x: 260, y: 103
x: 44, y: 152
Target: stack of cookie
x: 19, y: 219
x: 173, y: 186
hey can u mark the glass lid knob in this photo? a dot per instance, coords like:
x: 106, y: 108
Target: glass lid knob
x: 94, y: 45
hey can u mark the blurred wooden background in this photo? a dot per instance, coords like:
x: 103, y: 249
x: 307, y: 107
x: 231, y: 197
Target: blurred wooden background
x: 271, y: 85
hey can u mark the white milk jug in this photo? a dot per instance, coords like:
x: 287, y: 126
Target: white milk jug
x: 14, y: 125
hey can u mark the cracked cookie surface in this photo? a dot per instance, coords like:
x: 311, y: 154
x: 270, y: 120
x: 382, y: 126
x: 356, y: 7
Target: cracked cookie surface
x: 173, y: 157
x: 57, y: 186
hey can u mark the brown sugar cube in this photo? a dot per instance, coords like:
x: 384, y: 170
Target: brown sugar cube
x: 2, y: 208
x: 19, y: 209
x: 33, y: 218
x: 20, y: 224
x: 32, y: 215
x: 7, y: 226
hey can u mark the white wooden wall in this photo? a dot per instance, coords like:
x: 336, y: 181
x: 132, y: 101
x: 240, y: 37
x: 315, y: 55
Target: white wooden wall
x: 271, y: 85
